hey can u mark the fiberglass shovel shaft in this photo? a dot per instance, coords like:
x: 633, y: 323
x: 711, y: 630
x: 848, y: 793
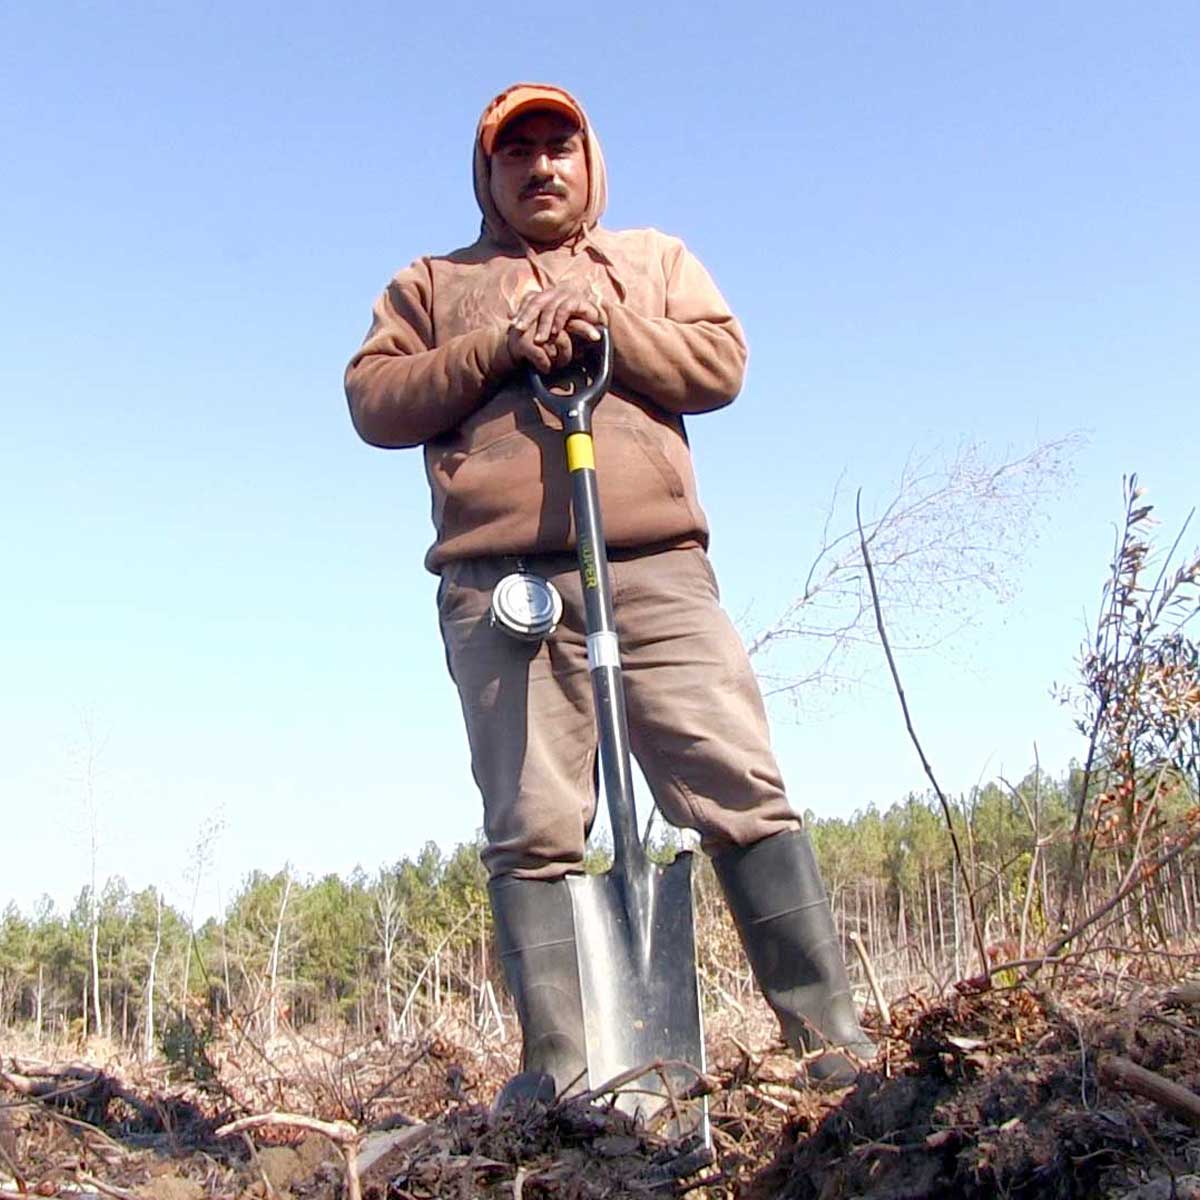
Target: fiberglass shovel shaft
x: 604, y: 666
x: 634, y: 930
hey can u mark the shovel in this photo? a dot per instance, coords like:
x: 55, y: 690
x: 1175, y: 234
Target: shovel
x: 634, y: 929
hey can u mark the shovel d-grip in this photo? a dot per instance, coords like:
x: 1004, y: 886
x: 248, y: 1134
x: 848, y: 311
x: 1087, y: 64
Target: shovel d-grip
x: 634, y: 928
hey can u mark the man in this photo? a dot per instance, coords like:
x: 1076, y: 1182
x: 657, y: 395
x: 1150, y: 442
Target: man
x: 445, y: 365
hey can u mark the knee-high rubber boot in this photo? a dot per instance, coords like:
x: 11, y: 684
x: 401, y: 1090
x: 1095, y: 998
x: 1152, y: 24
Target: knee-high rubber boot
x: 535, y: 932
x: 782, y: 913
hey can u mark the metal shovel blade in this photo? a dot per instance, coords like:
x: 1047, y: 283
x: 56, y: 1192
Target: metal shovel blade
x: 636, y: 942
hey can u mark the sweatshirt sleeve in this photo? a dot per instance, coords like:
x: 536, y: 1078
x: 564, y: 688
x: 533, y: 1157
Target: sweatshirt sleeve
x: 404, y: 390
x: 693, y: 359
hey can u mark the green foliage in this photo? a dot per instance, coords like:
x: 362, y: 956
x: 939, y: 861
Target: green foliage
x: 185, y: 1046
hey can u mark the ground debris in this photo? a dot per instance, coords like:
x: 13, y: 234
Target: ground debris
x: 1020, y: 1092
x: 570, y: 1150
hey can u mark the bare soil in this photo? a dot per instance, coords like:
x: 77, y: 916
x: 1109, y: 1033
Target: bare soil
x: 1009, y: 1093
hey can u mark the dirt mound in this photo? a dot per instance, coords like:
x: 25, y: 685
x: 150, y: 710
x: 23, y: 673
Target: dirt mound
x: 1000, y: 1094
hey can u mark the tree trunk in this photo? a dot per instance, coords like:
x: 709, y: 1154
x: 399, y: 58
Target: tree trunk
x: 1030, y: 884
x: 96, y: 966
x: 958, y: 971
x: 109, y: 990
x: 1045, y: 893
x: 228, y: 1003
x: 148, y: 1046
x: 930, y: 931
x: 941, y: 917
x: 874, y: 934
x: 273, y: 995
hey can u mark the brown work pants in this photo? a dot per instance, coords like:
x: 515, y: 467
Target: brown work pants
x: 697, y: 726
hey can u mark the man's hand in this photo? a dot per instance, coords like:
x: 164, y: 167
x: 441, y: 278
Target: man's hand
x: 544, y: 327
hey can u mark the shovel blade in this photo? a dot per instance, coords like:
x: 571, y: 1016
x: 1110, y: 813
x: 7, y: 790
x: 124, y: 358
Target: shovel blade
x: 641, y: 999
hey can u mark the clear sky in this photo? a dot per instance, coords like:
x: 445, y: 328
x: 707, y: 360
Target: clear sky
x: 938, y: 222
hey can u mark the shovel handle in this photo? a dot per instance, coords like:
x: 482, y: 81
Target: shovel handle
x: 588, y: 382
x: 585, y: 380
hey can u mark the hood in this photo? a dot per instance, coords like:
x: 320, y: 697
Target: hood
x: 494, y: 225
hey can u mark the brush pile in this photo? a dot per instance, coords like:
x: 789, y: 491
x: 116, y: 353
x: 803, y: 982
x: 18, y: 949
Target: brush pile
x: 1086, y: 1091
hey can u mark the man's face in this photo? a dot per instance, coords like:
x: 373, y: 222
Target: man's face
x: 539, y: 177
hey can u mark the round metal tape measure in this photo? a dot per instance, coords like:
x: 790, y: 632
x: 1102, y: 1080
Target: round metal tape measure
x: 526, y: 606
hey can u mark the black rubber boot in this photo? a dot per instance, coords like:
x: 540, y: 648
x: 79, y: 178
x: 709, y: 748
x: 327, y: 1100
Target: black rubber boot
x: 535, y: 933
x: 779, y: 905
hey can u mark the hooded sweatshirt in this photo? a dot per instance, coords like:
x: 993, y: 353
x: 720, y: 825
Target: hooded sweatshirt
x: 434, y: 371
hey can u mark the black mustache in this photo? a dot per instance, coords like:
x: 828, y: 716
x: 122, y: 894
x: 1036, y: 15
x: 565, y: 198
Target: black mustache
x: 543, y: 189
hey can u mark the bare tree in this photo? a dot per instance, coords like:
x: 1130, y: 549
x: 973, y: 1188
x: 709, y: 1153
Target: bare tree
x: 952, y: 534
x: 88, y: 755
x: 387, y: 915
x: 151, y: 973
x: 273, y: 964
x: 199, y: 860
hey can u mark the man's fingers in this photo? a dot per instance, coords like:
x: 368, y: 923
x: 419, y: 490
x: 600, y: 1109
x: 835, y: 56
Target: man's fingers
x: 570, y: 308
x: 561, y: 349
x: 578, y: 327
x: 527, y: 310
x: 543, y: 331
x: 538, y: 359
x: 545, y: 314
x: 544, y: 317
x: 524, y: 349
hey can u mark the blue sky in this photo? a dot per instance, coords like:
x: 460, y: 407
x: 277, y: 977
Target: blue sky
x: 939, y: 223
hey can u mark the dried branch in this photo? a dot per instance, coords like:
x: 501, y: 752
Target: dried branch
x: 105, y: 1189
x: 1147, y: 872
x: 1126, y: 1076
x: 912, y: 733
x: 1139, y: 700
x: 343, y: 1135
x: 952, y: 531
x: 885, y: 1013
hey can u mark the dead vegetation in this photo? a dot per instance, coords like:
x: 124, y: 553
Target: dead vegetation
x: 1088, y: 1089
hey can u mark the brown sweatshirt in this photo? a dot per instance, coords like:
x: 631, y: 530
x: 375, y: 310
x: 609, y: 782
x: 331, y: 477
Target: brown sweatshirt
x: 434, y: 371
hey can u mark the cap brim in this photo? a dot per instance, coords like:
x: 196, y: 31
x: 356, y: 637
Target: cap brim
x: 517, y: 104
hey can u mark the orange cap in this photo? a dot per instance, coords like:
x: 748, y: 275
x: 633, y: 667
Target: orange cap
x: 523, y: 98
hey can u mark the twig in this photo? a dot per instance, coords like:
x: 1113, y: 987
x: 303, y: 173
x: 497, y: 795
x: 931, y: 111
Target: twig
x: 11, y: 1166
x: 617, y: 1082
x: 912, y: 733
x: 704, y: 1181
x: 341, y: 1133
x: 766, y: 1098
x: 1171, y: 1023
x: 268, y: 1186
x: 106, y: 1188
x: 1153, y: 1144
x: 1148, y: 872
x: 55, y: 1115
x: 1126, y: 1076
x: 885, y: 1013
x: 408, y: 1065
